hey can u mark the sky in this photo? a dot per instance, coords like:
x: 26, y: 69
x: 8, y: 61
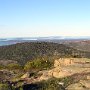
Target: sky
x: 34, y: 18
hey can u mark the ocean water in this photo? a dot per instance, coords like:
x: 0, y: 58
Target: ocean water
x: 10, y: 41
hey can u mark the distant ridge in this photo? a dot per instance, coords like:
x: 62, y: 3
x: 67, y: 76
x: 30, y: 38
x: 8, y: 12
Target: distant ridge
x: 9, y: 41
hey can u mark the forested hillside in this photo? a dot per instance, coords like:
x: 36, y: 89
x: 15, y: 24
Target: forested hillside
x: 22, y: 52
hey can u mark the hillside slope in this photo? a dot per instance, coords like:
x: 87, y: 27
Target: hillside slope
x: 22, y: 52
x: 79, y: 44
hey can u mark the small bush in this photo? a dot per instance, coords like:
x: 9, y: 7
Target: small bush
x: 14, y: 66
x: 38, y: 64
x: 2, y: 67
x: 4, y: 87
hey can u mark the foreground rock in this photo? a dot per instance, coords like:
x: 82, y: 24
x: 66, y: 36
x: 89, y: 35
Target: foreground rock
x: 78, y: 69
x: 81, y: 85
x: 67, y: 66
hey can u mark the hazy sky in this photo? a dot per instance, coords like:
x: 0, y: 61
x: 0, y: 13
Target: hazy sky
x: 27, y: 18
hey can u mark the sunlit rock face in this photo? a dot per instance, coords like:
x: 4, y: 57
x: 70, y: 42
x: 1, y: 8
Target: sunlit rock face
x: 83, y: 62
x: 67, y: 66
x: 81, y: 85
x: 63, y: 62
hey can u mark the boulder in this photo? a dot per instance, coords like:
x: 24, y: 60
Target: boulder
x: 26, y: 75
